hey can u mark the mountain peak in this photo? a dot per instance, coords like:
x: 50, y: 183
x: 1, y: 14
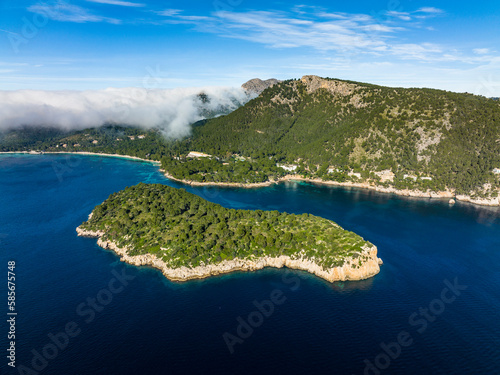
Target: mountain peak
x: 334, y: 86
x: 257, y: 85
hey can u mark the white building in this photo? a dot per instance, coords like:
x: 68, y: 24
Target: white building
x: 195, y: 154
x: 496, y: 171
x: 331, y: 170
x: 289, y: 168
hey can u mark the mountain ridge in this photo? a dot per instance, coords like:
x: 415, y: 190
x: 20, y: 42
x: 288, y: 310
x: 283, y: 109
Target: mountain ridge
x: 424, y: 140
x: 450, y: 140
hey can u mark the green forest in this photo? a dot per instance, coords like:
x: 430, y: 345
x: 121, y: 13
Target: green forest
x: 185, y: 230
x: 326, y: 128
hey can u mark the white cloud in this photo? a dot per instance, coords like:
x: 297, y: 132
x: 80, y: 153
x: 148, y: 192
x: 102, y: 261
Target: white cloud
x: 284, y: 30
x: 430, y: 10
x: 314, y: 28
x: 175, y: 17
x: 405, y: 16
x: 62, y: 11
x: 9, y: 32
x: 481, y: 51
x: 169, y: 12
x: 171, y: 110
x: 117, y: 2
x: 423, y: 52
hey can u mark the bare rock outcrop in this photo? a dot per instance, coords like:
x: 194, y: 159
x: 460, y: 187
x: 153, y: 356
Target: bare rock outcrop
x: 363, y: 267
x: 314, y: 83
x: 257, y: 85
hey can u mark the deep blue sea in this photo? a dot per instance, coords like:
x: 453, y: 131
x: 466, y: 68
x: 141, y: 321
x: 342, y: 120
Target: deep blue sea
x: 433, y: 309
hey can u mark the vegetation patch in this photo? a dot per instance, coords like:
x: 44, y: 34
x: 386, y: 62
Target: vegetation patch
x: 183, y: 229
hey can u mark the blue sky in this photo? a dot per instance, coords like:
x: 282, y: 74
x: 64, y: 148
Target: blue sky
x: 95, y: 44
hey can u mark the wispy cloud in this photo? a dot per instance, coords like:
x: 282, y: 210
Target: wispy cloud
x: 117, y: 2
x: 405, y: 16
x: 169, y: 12
x: 62, y: 11
x: 314, y: 28
x: 283, y: 30
x: 9, y: 32
x: 176, y: 16
x: 481, y: 51
x: 4, y: 63
x: 419, y: 14
x: 430, y: 10
x: 422, y: 52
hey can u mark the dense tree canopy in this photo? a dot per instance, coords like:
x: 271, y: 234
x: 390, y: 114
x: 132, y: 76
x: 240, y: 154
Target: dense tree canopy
x: 185, y: 230
x: 327, y: 131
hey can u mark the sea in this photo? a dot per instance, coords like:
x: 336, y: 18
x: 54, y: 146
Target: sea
x: 434, y: 308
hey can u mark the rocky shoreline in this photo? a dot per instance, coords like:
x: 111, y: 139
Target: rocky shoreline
x: 492, y: 202
x: 368, y: 269
x: 363, y: 185
x: 224, y: 184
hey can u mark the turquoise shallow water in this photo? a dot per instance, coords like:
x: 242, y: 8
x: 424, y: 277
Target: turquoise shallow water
x: 154, y: 326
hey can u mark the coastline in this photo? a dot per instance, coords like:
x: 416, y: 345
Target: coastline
x: 83, y: 153
x: 223, y: 184
x: 493, y: 202
x: 368, y: 269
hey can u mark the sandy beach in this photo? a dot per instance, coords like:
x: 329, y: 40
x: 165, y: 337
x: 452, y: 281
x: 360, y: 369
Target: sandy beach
x: 82, y: 153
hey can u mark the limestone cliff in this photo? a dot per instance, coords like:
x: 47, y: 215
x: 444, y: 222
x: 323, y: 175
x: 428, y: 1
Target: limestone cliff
x: 353, y: 269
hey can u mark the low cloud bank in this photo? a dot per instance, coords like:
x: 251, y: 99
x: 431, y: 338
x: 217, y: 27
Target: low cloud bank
x: 171, y: 110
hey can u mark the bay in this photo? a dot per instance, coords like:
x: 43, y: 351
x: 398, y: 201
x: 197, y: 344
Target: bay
x: 155, y: 326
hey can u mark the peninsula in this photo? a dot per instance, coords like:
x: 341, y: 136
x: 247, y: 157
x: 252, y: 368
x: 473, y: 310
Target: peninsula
x: 187, y: 237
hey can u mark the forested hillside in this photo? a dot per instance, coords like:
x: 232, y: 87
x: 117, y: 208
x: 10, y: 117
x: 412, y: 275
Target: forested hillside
x: 183, y: 229
x: 450, y: 139
x: 110, y: 139
x: 320, y: 128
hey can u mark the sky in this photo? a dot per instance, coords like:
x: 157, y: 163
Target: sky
x: 100, y: 44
